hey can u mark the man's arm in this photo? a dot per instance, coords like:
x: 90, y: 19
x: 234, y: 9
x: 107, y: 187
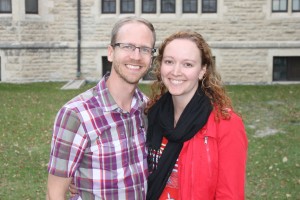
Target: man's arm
x: 57, y: 187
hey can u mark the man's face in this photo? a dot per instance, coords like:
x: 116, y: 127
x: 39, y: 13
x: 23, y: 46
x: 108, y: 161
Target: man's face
x: 128, y: 63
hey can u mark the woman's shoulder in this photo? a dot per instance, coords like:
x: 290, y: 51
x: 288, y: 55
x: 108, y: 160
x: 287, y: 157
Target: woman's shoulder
x: 233, y: 117
x: 224, y: 126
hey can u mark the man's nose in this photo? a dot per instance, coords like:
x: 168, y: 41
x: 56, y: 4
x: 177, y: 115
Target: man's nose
x: 136, y: 53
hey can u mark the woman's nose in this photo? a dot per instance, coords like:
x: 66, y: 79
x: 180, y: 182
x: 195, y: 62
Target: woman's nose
x: 176, y: 70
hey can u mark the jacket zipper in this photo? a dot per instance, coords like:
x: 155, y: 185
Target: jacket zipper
x: 208, y: 154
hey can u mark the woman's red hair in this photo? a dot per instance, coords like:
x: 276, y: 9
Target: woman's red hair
x: 211, y: 83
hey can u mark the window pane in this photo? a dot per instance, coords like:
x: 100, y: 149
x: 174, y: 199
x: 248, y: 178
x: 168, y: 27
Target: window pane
x: 296, y: 6
x: 127, y: 6
x: 149, y: 6
x: 283, y: 5
x: 279, y: 68
x: 279, y: 5
x: 190, y: 6
x: 275, y: 5
x: 167, y: 6
x: 209, y: 6
x: 5, y: 6
x: 293, y: 72
x: 286, y: 69
x: 31, y: 6
x: 108, y: 6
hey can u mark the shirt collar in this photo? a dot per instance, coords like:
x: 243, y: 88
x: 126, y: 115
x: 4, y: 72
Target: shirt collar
x: 108, y: 103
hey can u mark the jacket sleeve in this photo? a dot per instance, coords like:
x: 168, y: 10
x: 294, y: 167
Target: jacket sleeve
x: 232, y: 151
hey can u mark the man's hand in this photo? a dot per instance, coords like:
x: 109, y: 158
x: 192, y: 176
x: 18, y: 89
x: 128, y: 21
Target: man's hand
x: 72, y: 189
x: 57, y: 187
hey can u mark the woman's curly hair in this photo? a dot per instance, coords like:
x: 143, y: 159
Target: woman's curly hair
x: 211, y: 83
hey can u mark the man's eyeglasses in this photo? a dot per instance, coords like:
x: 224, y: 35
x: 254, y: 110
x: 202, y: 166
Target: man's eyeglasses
x: 131, y: 48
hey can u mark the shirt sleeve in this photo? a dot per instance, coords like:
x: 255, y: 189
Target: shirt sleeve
x: 67, y: 145
x: 232, y: 152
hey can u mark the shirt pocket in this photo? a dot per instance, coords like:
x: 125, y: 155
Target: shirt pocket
x: 110, y: 155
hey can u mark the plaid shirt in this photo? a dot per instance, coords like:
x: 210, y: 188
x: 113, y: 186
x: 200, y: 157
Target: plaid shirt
x: 101, y: 146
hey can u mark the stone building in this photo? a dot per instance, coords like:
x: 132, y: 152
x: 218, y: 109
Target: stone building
x: 253, y: 41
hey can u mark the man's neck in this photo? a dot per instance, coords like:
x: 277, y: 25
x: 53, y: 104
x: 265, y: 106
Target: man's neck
x: 121, y: 91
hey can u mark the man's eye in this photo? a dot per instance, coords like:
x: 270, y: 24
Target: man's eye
x: 129, y: 47
x: 146, y: 50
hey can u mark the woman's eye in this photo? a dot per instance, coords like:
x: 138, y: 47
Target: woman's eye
x: 188, y: 65
x: 168, y: 62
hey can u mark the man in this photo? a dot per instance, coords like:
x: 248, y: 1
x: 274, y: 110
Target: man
x: 99, y: 136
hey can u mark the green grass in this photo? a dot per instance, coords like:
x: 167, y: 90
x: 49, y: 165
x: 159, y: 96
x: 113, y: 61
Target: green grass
x: 28, y: 110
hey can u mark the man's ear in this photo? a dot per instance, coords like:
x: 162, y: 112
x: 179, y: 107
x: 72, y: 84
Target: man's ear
x: 110, y: 53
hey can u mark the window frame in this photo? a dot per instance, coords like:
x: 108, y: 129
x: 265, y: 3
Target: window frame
x: 167, y: 1
x: 279, y: 9
x: 190, y: 2
x: 149, y: 1
x: 6, y: 11
x: 209, y: 11
x: 287, y: 68
x: 122, y: 11
x: 298, y: 9
x: 109, y: 2
x: 27, y: 11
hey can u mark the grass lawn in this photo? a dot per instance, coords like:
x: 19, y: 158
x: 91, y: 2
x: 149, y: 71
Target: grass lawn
x: 271, y: 115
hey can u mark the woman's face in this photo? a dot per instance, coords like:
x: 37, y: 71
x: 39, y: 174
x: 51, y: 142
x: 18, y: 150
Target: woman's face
x: 181, y: 68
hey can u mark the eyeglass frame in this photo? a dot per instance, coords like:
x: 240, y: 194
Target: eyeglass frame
x: 133, y: 47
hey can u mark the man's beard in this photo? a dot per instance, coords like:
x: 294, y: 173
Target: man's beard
x: 122, y: 75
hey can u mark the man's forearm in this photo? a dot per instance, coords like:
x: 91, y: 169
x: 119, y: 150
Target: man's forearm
x: 57, y: 187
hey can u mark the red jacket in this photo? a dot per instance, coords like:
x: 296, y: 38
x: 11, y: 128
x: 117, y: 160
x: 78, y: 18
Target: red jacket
x: 212, y: 165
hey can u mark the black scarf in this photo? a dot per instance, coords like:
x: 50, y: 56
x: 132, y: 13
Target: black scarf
x: 161, y: 124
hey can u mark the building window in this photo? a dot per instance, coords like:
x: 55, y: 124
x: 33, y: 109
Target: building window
x: 296, y: 6
x: 150, y: 75
x: 149, y: 6
x: 209, y: 6
x: 127, y: 6
x: 286, y: 68
x: 106, y: 65
x: 167, y: 6
x: 31, y: 6
x: 279, y: 5
x: 5, y: 6
x: 108, y: 6
x: 189, y: 6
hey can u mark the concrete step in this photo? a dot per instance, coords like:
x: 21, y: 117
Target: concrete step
x: 73, y: 85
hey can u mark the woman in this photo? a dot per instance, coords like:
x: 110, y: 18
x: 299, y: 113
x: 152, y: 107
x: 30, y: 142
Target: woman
x: 197, y: 145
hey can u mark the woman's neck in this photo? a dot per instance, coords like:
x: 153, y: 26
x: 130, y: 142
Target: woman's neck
x: 179, y: 106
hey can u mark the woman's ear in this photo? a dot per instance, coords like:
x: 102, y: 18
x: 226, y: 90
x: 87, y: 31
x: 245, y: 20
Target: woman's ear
x: 202, y: 72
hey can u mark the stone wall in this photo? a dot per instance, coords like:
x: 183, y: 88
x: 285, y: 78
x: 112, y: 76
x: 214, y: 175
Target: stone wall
x: 244, y: 37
